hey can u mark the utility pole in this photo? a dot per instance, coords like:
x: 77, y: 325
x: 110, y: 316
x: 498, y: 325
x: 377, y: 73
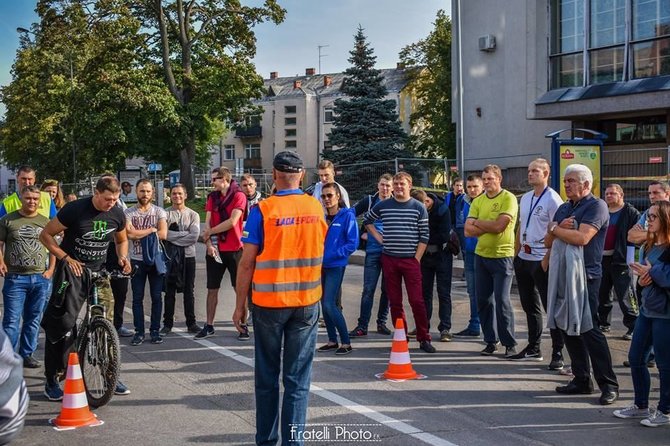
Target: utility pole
x: 321, y: 55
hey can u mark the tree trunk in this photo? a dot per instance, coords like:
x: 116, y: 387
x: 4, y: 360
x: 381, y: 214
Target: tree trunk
x: 186, y: 161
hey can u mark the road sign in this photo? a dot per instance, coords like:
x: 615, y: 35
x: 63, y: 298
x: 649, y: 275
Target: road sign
x: 155, y: 167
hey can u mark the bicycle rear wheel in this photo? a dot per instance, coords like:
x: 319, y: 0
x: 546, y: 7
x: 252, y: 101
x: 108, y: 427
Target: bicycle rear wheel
x: 100, y: 359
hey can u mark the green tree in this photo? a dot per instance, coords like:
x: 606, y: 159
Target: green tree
x: 429, y: 65
x: 366, y: 126
x: 163, y: 74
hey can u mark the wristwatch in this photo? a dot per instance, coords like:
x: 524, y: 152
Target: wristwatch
x: 551, y: 230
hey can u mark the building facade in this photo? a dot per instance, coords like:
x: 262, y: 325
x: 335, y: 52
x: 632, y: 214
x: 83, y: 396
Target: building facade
x: 525, y: 68
x: 297, y: 114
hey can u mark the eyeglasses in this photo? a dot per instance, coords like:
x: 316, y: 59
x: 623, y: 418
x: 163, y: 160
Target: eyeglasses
x: 324, y: 196
x: 652, y: 217
x: 216, y: 178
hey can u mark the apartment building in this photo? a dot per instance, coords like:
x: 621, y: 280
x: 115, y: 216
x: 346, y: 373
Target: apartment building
x: 525, y: 68
x: 297, y: 114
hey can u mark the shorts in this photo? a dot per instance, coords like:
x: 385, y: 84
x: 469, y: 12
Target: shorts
x: 215, y: 270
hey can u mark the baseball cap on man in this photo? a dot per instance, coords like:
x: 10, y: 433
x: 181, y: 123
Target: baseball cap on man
x: 287, y: 161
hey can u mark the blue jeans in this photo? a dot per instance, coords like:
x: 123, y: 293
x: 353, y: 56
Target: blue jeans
x: 295, y: 329
x: 493, y: 285
x: 469, y: 268
x: 155, y: 291
x: 24, y: 296
x: 371, y: 272
x: 650, y: 332
x: 437, y: 267
x: 331, y: 283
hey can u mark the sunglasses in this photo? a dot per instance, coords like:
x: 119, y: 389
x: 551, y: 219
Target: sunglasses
x: 324, y: 196
x: 217, y: 178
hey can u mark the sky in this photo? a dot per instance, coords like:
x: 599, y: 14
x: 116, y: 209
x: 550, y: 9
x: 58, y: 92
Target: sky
x: 292, y: 46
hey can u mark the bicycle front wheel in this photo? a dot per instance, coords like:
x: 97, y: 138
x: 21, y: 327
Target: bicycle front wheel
x: 100, y: 359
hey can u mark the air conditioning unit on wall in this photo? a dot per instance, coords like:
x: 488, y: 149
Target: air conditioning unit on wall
x: 487, y: 43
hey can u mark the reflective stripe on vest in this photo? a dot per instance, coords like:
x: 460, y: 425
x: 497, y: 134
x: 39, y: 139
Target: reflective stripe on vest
x: 13, y: 203
x: 288, y: 269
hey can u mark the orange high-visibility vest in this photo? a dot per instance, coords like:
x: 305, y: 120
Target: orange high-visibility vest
x: 288, y: 269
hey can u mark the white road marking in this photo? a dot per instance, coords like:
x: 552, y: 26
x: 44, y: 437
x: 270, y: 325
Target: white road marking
x: 353, y: 406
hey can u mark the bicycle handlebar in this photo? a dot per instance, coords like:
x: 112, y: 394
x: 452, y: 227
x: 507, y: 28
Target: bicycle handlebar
x: 114, y: 274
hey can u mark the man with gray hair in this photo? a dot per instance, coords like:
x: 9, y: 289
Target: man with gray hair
x: 582, y: 221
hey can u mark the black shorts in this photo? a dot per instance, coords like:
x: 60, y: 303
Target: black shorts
x: 216, y: 270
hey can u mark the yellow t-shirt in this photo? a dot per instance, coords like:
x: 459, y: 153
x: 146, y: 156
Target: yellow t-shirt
x: 495, y: 246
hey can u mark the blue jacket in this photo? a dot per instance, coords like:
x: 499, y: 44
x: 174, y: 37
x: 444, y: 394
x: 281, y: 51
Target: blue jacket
x: 462, y: 211
x: 341, y: 239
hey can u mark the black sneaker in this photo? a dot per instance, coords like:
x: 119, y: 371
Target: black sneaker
x: 31, y: 363
x: 412, y: 334
x: 207, y: 331
x: 327, y: 347
x: 343, y: 350
x: 358, y: 332
x: 244, y: 335
x: 490, y: 349
x: 156, y: 338
x: 166, y: 330
x: 427, y: 347
x: 556, y: 361
x: 605, y: 328
x: 195, y: 328
x: 137, y: 339
x: 527, y: 354
x: 510, y: 351
x: 383, y: 329
x: 467, y: 333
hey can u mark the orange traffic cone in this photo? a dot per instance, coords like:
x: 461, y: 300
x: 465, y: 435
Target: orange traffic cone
x: 74, y: 412
x: 400, y: 365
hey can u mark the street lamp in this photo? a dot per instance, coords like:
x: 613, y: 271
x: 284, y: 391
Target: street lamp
x: 22, y: 30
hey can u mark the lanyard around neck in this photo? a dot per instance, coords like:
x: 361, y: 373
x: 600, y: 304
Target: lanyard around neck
x: 533, y: 206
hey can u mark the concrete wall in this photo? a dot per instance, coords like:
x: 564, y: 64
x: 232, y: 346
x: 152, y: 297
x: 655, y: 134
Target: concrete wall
x: 503, y: 83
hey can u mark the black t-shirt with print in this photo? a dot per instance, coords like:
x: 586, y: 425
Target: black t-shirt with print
x: 89, y: 231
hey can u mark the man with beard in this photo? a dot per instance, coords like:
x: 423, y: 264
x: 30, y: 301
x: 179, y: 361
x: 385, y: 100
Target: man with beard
x: 147, y: 225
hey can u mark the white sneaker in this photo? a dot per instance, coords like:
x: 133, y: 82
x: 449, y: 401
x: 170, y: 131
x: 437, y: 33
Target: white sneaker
x: 632, y: 412
x: 656, y: 419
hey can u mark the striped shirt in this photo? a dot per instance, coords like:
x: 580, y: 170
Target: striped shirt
x: 405, y: 225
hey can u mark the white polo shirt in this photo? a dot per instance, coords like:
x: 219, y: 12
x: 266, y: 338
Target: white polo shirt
x: 541, y: 211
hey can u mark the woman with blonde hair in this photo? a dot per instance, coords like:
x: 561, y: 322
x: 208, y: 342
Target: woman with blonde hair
x: 52, y: 187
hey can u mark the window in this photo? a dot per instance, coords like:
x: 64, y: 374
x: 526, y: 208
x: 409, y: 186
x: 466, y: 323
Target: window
x: 289, y: 109
x: 290, y: 132
x: 252, y: 151
x: 229, y: 152
x: 327, y: 145
x: 635, y: 130
x: 567, y: 43
x: 328, y: 115
x: 289, y: 121
x: 252, y: 121
x: 291, y: 144
x: 608, y: 53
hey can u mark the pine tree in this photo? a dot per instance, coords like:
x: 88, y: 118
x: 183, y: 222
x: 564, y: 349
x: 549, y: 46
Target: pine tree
x: 366, y: 126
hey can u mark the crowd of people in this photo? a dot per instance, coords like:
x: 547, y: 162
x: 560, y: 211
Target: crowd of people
x: 286, y: 256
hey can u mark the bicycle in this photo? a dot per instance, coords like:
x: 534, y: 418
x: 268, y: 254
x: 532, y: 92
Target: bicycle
x: 97, y: 345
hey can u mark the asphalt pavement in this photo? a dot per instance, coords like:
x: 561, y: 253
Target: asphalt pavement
x: 186, y: 391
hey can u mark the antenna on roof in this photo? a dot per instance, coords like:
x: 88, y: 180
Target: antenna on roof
x: 321, y: 55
